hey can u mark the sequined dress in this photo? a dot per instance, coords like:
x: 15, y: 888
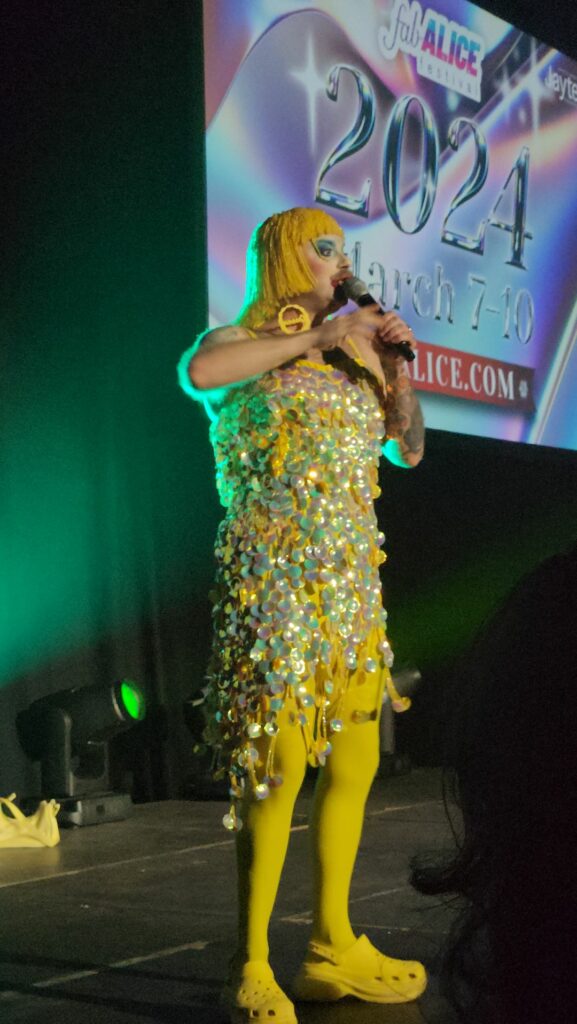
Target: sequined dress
x: 297, y: 606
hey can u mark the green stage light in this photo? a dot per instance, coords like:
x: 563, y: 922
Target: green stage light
x: 132, y: 700
x: 68, y: 733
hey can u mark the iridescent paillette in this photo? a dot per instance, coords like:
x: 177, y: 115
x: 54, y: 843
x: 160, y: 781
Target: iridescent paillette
x: 297, y: 603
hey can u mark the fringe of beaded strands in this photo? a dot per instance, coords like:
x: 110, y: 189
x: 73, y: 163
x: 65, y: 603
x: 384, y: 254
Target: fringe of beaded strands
x: 317, y: 744
x: 317, y: 740
x: 232, y: 820
x: 246, y: 759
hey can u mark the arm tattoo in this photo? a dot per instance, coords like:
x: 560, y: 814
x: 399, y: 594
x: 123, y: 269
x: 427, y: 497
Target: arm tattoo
x: 413, y: 439
x: 404, y: 417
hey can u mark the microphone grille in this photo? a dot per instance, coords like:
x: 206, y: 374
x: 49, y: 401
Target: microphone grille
x: 353, y: 288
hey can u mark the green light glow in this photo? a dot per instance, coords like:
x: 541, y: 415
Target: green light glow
x: 132, y: 699
x: 87, y: 384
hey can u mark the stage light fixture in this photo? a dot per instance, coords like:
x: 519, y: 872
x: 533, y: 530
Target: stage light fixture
x: 406, y: 679
x: 68, y: 732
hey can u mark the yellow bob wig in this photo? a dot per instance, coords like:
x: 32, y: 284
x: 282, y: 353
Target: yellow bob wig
x: 276, y: 269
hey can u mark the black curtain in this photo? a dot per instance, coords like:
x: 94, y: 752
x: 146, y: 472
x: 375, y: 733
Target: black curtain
x: 107, y: 502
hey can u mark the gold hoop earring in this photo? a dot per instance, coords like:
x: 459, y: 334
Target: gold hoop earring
x: 293, y: 319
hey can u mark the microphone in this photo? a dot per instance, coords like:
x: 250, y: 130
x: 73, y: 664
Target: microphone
x: 355, y: 289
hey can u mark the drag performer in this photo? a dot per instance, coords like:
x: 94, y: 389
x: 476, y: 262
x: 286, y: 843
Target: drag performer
x: 301, y: 407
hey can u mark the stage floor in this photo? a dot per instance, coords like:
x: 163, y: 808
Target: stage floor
x: 134, y: 921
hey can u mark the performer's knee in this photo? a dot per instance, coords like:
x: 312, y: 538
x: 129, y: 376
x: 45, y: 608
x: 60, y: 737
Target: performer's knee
x: 290, y: 763
x: 355, y: 757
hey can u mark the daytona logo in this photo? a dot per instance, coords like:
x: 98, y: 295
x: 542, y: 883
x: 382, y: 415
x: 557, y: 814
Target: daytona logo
x: 563, y: 84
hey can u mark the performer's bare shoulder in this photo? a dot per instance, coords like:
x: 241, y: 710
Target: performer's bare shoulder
x: 223, y: 335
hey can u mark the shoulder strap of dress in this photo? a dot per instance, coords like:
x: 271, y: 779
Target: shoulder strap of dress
x: 354, y: 347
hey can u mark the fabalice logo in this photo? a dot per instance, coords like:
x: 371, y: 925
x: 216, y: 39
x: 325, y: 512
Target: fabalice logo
x: 445, y: 51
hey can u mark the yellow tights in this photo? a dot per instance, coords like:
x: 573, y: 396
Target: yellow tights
x: 342, y: 788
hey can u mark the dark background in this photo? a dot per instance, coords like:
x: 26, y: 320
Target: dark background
x: 107, y: 502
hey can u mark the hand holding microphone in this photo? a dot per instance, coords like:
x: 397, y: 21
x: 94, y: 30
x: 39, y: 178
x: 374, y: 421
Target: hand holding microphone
x: 355, y: 289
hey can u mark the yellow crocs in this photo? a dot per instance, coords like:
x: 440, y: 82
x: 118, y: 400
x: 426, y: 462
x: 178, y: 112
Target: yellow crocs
x: 360, y: 971
x: 252, y: 996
